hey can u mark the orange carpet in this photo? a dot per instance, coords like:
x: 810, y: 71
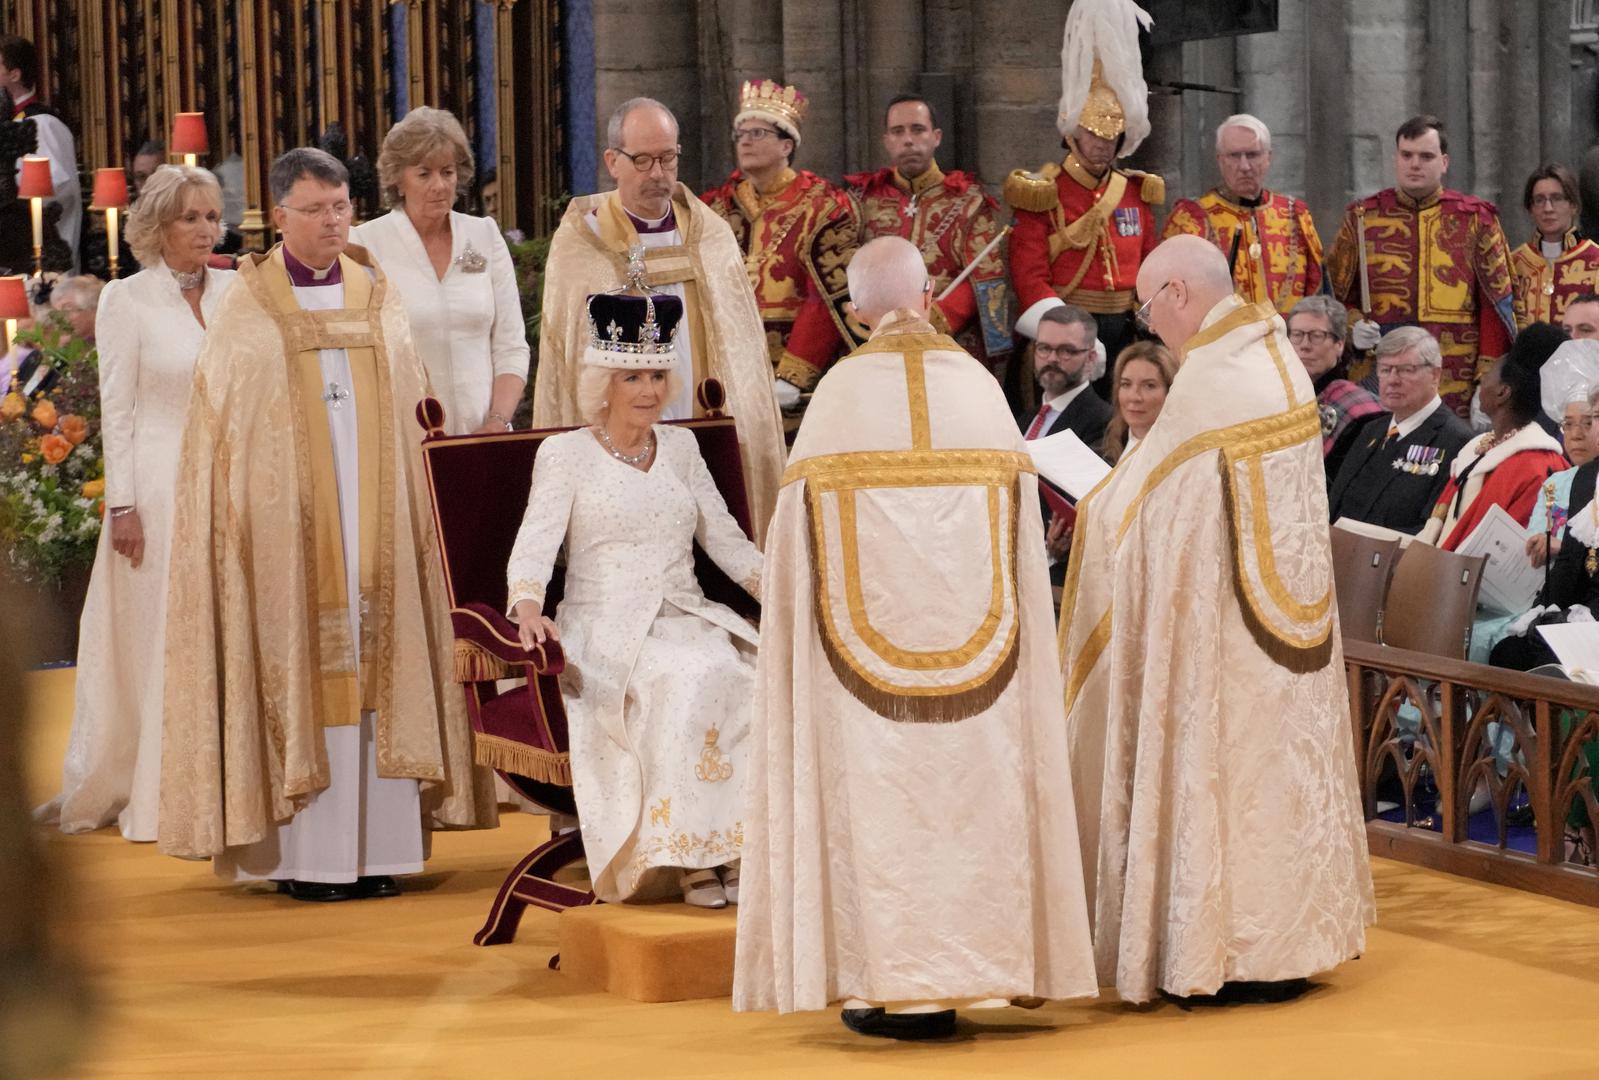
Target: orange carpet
x: 1461, y: 980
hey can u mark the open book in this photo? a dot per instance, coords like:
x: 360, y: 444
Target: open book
x: 1576, y: 646
x: 1510, y: 582
x: 1066, y: 461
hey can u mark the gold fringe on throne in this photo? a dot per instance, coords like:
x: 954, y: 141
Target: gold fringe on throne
x: 474, y: 663
x: 520, y: 759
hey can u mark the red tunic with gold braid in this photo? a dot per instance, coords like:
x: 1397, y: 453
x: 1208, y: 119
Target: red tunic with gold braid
x: 1441, y: 264
x: 1080, y: 237
x: 1543, y: 289
x: 952, y: 219
x: 797, y: 239
x: 1278, y: 258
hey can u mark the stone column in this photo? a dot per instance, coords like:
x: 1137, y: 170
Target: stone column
x: 740, y: 41
x: 1447, y: 84
x: 648, y: 49
x: 813, y: 60
x: 1017, y: 81
x: 893, y: 65
x: 1384, y: 85
x: 947, y: 50
x: 1520, y: 112
x: 1328, y: 180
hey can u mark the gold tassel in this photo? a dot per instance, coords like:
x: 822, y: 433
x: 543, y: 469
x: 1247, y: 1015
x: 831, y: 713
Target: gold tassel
x: 474, y: 663
x: 520, y: 759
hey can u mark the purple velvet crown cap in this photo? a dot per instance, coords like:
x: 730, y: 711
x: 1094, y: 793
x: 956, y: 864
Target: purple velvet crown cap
x: 628, y: 330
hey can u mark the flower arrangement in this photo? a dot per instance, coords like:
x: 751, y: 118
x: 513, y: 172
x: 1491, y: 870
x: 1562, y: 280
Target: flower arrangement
x: 52, y: 465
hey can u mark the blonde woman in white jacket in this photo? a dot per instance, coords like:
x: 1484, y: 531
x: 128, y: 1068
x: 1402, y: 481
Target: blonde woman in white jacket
x: 148, y: 332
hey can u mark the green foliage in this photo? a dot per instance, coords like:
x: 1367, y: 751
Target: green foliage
x: 52, y: 465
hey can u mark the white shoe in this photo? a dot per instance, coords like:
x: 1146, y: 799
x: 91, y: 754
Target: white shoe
x: 729, y: 875
x: 702, y: 888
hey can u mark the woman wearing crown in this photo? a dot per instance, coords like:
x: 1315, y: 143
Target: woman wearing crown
x: 658, y: 679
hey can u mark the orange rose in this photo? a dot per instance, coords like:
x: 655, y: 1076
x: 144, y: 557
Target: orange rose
x: 13, y: 406
x: 94, y: 489
x: 75, y: 428
x: 44, y: 414
x: 55, y: 449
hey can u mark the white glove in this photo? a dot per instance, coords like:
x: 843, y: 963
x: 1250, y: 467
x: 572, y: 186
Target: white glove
x: 1096, y: 366
x: 1365, y: 334
x: 787, y: 394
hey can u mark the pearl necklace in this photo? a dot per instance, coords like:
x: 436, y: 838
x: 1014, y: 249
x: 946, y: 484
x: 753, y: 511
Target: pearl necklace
x: 188, y: 279
x: 631, y: 459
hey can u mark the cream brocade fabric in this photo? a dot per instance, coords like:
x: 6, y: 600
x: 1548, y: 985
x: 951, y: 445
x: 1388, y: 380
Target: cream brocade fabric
x: 658, y: 678
x: 909, y: 834
x: 243, y: 742
x: 148, y: 338
x: 735, y: 350
x: 1212, y: 757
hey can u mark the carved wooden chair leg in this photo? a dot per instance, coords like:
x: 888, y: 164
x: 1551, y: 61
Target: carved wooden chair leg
x: 532, y: 881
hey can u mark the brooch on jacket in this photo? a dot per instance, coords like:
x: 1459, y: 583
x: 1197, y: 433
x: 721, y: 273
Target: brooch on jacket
x: 471, y: 260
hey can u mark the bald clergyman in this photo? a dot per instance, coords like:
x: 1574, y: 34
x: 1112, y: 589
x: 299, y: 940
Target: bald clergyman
x: 1206, y: 705
x: 910, y: 844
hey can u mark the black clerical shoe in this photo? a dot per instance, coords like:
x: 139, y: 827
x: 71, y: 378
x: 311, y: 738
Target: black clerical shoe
x: 318, y: 892
x: 369, y: 888
x: 1244, y: 993
x: 887, y: 1025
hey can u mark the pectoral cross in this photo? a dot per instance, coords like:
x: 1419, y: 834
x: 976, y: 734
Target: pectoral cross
x: 336, y: 395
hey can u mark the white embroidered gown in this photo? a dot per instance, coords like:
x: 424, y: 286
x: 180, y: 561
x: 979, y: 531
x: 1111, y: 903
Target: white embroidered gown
x: 658, y: 679
x: 148, y: 340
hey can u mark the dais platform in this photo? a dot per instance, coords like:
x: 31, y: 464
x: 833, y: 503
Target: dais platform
x: 650, y: 952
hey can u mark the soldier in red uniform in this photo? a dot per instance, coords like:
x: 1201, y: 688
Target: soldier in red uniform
x: 1083, y: 226
x: 1422, y: 255
x: 798, y: 233
x: 1557, y: 265
x: 1268, y: 236
x: 946, y: 214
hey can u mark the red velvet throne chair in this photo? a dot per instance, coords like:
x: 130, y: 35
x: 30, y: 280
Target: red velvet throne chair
x: 479, y: 487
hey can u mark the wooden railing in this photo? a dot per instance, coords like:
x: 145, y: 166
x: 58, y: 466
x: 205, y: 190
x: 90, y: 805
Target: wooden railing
x: 1418, y: 772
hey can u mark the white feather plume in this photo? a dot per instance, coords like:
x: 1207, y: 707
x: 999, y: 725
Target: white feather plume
x: 1107, y: 29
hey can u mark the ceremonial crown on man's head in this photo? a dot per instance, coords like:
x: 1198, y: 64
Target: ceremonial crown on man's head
x: 1102, y: 72
x: 781, y: 105
x: 627, y: 330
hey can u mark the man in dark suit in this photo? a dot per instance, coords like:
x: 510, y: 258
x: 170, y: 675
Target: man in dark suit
x: 1063, y: 354
x: 1399, y: 461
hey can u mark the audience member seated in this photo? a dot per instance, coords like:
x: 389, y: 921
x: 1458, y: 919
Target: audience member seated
x: 1508, y: 466
x: 1062, y: 354
x: 1316, y: 331
x: 659, y: 680
x: 1140, y: 379
x: 1570, y: 594
x: 1581, y: 318
x: 73, y: 302
x: 1399, y: 461
x: 1569, y: 379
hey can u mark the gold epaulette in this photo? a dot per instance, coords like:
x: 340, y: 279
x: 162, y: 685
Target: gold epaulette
x: 1033, y: 191
x: 1151, y: 188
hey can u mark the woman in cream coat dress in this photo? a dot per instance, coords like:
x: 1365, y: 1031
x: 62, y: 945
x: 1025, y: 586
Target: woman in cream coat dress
x: 659, y: 680
x: 148, y: 332
x: 453, y: 271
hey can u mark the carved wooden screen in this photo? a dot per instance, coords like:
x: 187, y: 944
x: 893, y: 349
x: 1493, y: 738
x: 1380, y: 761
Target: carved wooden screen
x: 271, y: 74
